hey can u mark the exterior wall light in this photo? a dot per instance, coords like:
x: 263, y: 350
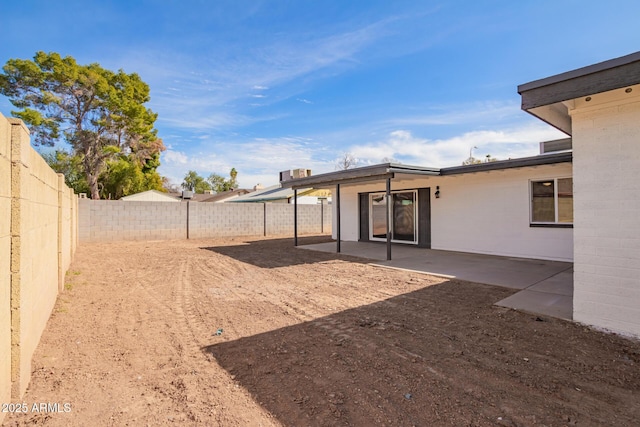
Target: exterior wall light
x: 437, y: 193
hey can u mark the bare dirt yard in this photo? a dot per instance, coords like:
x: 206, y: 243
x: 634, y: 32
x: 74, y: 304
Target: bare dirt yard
x: 253, y: 332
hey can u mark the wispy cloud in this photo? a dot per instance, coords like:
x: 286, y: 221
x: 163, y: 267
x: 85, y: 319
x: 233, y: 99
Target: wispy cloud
x: 257, y: 161
x: 175, y: 157
x: 469, y: 113
x: 213, y: 95
x: 202, y: 121
x: 502, y: 144
x: 260, y: 159
x: 304, y: 101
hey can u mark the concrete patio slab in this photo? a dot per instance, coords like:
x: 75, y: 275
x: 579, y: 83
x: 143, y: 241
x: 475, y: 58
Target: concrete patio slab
x: 546, y: 286
x: 561, y: 284
x: 545, y: 303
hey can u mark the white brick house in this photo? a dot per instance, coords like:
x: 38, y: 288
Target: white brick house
x: 581, y: 206
x: 599, y: 106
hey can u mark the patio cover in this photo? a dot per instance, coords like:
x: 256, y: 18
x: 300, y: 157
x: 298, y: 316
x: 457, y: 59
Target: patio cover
x: 385, y: 171
x: 389, y: 171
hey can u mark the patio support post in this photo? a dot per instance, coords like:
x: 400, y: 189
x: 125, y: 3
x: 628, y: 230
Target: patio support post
x: 338, y: 218
x: 388, y: 219
x: 295, y: 217
x: 188, y: 218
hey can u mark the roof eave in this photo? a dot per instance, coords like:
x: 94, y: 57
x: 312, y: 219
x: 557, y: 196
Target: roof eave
x: 358, y: 175
x: 545, y: 98
x: 540, y: 160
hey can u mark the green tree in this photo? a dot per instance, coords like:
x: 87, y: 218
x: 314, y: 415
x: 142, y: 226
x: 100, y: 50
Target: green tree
x: 194, y: 182
x: 124, y: 176
x: 100, y: 113
x: 220, y: 184
x: 233, y: 181
x: 71, y: 166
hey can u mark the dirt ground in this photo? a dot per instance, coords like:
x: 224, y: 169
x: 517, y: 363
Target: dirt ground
x: 253, y: 332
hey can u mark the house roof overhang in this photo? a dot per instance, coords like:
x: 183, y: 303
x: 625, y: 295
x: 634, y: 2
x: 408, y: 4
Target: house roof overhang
x: 547, y: 98
x: 358, y: 175
x: 397, y: 171
x: 540, y: 160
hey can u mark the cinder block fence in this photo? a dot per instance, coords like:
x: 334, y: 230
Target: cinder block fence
x: 42, y: 221
x: 113, y: 220
x: 38, y: 237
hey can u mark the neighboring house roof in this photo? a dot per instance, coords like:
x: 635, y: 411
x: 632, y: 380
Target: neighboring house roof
x: 545, y: 98
x: 225, y: 196
x: 196, y: 197
x: 393, y: 170
x: 150, y: 196
x: 320, y: 193
x: 270, y: 194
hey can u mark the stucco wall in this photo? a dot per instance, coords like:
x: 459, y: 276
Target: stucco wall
x: 5, y: 258
x: 36, y: 247
x: 606, y: 152
x: 489, y: 213
x: 109, y: 220
x: 486, y: 212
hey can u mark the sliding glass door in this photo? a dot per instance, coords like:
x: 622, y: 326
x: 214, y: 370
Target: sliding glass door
x: 403, y: 216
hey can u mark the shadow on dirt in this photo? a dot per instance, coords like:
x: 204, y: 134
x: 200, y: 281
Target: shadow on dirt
x: 260, y: 252
x: 412, y: 360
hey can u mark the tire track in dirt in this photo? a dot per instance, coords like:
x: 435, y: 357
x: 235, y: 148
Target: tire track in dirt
x: 310, y: 339
x: 165, y: 300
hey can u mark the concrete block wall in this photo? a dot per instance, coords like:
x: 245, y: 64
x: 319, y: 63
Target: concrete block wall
x: 327, y: 212
x: 280, y: 219
x: 113, y: 220
x: 35, y: 280
x: 73, y: 225
x: 107, y: 220
x: 606, y: 157
x: 5, y: 261
x: 310, y: 221
x: 225, y: 219
x: 36, y: 247
x: 65, y: 242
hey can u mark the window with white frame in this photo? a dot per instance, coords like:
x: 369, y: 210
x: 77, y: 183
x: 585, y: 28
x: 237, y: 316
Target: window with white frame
x: 552, y: 201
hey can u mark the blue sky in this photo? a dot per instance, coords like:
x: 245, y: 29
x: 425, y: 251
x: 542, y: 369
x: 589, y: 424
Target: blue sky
x: 265, y: 86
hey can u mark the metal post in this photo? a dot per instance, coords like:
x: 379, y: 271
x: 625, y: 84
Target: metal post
x: 295, y: 217
x: 388, y: 219
x: 188, y: 219
x: 321, y: 216
x: 338, y: 218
